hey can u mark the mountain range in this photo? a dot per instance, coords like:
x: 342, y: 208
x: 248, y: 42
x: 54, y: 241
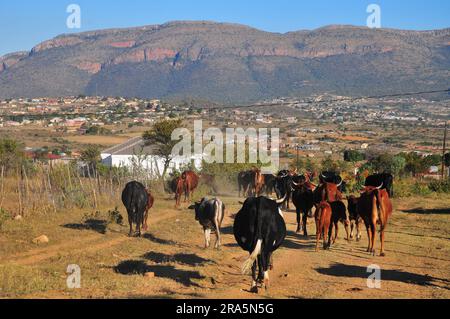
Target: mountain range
x: 229, y: 63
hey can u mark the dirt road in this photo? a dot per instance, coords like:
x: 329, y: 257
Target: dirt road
x: 417, y: 264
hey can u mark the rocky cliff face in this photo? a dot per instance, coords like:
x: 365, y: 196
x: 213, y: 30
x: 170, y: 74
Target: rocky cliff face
x: 228, y: 62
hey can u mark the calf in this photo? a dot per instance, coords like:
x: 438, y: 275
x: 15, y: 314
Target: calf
x: 150, y: 203
x: 303, y: 200
x: 339, y: 214
x: 259, y: 228
x: 354, y: 217
x: 135, y: 199
x: 323, y: 221
x: 375, y: 207
x: 210, y: 213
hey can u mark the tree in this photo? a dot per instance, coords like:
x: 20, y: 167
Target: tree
x: 160, y: 137
x: 414, y: 163
x: 353, y: 156
x: 11, y: 155
x: 447, y: 159
x: 91, y: 156
x: 328, y: 164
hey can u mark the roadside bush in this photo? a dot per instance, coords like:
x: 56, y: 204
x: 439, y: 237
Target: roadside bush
x: 440, y: 186
x: 4, y: 216
x: 114, y: 217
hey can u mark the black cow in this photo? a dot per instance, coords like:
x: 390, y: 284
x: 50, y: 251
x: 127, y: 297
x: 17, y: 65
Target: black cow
x: 283, y: 186
x: 269, y: 183
x: 135, y: 200
x: 245, y: 181
x: 334, y: 178
x: 338, y: 214
x: 303, y: 199
x: 259, y: 228
x: 209, y: 213
x: 354, y: 217
x: 384, y: 179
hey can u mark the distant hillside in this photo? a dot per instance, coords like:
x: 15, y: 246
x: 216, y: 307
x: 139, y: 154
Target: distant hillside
x: 228, y: 62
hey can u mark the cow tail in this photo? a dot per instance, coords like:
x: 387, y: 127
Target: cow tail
x: 257, y: 251
x: 133, y: 211
x: 380, y: 208
x: 251, y: 260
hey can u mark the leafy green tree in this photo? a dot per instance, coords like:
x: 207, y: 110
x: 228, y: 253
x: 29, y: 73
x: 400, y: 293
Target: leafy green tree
x: 328, y: 164
x: 353, y: 156
x: 433, y: 160
x: 91, y: 156
x: 12, y: 155
x: 160, y: 137
x: 414, y: 163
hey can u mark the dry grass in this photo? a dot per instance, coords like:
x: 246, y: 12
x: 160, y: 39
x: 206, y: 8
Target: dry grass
x: 98, y: 139
x: 416, y: 266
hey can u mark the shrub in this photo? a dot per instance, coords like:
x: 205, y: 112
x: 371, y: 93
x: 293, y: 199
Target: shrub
x: 4, y: 216
x: 440, y: 186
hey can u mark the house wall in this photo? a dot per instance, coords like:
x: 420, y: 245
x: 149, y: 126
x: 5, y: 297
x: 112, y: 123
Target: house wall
x: 153, y: 164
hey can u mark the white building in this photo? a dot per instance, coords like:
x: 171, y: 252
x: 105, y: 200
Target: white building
x: 134, y: 152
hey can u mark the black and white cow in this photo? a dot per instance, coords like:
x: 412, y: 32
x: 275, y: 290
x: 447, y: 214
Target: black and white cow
x: 259, y: 228
x: 135, y: 200
x: 210, y: 213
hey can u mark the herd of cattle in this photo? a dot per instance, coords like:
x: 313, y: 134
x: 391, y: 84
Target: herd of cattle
x: 259, y: 227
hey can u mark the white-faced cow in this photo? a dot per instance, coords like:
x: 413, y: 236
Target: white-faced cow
x: 209, y: 213
x: 259, y: 228
x: 135, y: 200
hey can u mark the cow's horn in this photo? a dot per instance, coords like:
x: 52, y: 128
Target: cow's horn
x: 381, y: 186
x: 340, y: 183
x: 295, y: 184
x: 323, y: 176
x: 281, y: 200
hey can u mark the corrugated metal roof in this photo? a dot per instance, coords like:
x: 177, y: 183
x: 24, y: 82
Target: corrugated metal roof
x: 133, y: 146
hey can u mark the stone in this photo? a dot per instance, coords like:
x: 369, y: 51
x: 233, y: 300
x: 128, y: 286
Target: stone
x: 40, y: 240
x: 149, y: 275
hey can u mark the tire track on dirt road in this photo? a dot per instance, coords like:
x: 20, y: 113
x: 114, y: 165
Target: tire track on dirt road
x: 88, y: 245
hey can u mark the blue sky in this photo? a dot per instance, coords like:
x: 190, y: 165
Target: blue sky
x: 24, y: 24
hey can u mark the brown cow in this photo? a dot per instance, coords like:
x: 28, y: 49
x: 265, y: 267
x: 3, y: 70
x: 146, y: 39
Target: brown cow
x: 327, y: 192
x: 188, y: 181
x: 150, y: 202
x: 375, y: 207
x: 323, y: 223
x: 258, y: 182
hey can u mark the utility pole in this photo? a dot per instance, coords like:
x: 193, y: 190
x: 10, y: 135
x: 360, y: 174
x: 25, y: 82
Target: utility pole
x: 443, y: 151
